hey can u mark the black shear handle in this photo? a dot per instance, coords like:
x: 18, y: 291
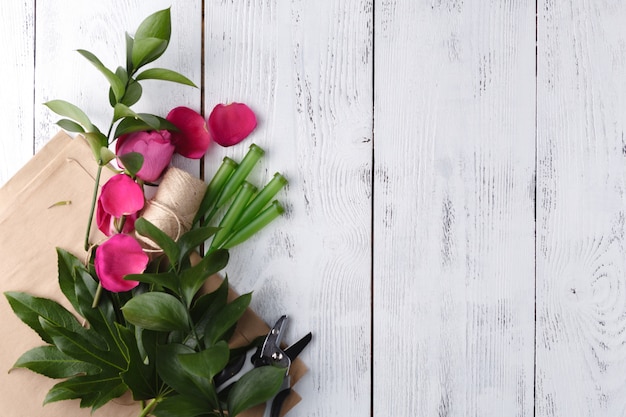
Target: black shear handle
x: 275, y: 405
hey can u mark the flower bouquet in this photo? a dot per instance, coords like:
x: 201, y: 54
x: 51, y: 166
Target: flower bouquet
x: 142, y: 312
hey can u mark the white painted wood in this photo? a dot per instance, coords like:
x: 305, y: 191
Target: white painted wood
x: 453, y: 180
x: 453, y: 208
x: 17, y: 75
x: 306, y: 69
x: 581, y: 353
x: 99, y: 27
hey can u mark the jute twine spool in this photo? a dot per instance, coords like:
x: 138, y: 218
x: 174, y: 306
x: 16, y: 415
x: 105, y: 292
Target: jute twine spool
x: 174, y: 205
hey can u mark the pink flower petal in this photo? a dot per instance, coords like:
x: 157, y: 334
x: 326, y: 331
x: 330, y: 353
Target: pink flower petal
x: 156, y: 148
x: 192, y: 140
x: 106, y: 222
x: 232, y: 123
x: 121, y: 196
x: 119, y: 256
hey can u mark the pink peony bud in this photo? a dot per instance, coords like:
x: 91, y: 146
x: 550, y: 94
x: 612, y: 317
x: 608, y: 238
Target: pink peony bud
x: 192, y: 140
x: 119, y: 256
x: 156, y: 148
x: 230, y: 124
x: 120, y: 196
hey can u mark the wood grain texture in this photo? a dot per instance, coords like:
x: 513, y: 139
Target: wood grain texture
x: 17, y: 73
x: 306, y: 70
x: 453, y: 208
x: 581, y: 342
x: 99, y: 27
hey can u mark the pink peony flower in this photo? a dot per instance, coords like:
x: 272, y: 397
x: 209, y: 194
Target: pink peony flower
x: 156, y: 148
x: 120, y: 196
x: 192, y: 140
x: 119, y: 256
x: 230, y: 124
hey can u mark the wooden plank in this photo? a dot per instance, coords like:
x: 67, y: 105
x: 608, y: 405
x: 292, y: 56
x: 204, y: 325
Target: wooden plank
x: 17, y: 72
x: 61, y: 73
x: 453, y: 208
x: 306, y: 69
x: 581, y: 343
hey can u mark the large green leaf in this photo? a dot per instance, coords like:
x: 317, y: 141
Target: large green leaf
x: 117, y: 85
x: 147, y: 50
x: 51, y: 362
x: 193, y: 278
x: 156, y: 311
x: 165, y: 75
x: 66, y: 109
x: 225, y: 319
x: 79, y: 347
x: 157, y: 25
x: 208, y: 362
x: 93, y: 390
x: 141, y: 375
x: 167, y: 280
x: 207, y: 305
x: 130, y: 125
x: 177, y: 377
x: 194, y: 238
x: 30, y: 309
x: 70, y: 126
x: 255, y: 387
x: 145, y: 228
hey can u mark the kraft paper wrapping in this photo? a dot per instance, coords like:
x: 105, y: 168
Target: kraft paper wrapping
x: 31, y: 226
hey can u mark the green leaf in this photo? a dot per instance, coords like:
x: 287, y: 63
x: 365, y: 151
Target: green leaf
x: 193, y: 278
x: 207, y: 305
x: 121, y: 110
x: 157, y: 25
x: 93, y: 390
x: 68, y: 266
x: 130, y: 125
x: 140, y: 377
x: 174, y: 375
x: 51, y: 362
x: 147, y: 50
x: 132, y: 161
x: 206, y: 363
x: 96, y: 141
x: 133, y: 93
x: 226, y: 318
x: 106, y: 155
x: 29, y: 309
x: 70, y: 126
x: 194, y: 238
x: 183, y: 406
x: 66, y: 109
x: 151, y: 120
x: 117, y: 85
x: 129, y: 53
x: 170, y: 248
x: 165, y: 75
x: 167, y: 280
x: 80, y: 347
x: 255, y: 387
x: 156, y: 311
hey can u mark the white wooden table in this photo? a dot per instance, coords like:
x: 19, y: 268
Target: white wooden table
x: 455, y: 237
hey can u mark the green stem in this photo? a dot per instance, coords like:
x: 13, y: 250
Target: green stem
x: 93, y: 205
x: 96, y: 297
x: 148, y: 408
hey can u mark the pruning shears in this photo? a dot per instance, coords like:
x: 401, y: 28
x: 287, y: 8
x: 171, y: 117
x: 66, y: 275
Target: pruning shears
x: 269, y: 353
